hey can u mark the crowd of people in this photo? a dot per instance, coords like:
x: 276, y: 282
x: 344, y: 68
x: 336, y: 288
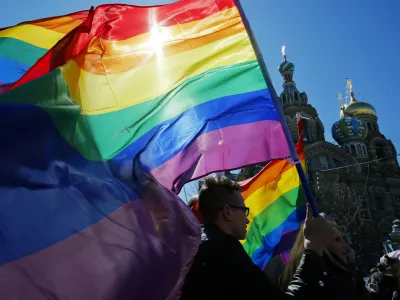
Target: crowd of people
x: 321, y: 266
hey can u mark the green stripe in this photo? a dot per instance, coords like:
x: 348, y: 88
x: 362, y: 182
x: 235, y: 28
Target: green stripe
x: 112, y: 132
x: 20, y: 51
x: 273, y: 216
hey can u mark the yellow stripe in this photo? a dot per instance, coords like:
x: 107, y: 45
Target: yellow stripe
x: 115, y: 57
x: 35, y: 35
x: 267, y: 194
x: 112, y: 92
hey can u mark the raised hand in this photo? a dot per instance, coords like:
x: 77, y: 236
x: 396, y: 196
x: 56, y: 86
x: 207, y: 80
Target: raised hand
x: 318, y: 232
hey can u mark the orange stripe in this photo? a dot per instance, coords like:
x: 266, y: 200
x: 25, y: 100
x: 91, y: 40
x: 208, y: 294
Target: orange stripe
x: 61, y: 25
x: 112, y: 57
x: 115, y: 60
x: 269, y: 174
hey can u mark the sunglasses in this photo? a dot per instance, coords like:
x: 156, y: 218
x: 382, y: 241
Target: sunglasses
x: 243, y: 208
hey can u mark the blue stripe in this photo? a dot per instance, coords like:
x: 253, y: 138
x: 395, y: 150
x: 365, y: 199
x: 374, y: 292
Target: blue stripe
x: 176, y: 134
x: 11, y: 70
x: 263, y: 254
x: 43, y: 199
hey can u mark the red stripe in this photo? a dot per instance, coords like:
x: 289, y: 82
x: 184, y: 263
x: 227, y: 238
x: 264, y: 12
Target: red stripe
x: 119, y: 22
x: 127, y: 21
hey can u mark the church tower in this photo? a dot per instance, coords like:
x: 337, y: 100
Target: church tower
x: 358, y: 133
x: 294, y: 102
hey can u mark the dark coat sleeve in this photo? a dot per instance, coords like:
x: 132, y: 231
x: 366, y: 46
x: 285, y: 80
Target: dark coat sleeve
x: 310, y: 280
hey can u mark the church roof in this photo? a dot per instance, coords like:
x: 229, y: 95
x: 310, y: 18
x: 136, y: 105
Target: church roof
x: 356, y: 108
x: 348, y: 128
x: 286, y: 66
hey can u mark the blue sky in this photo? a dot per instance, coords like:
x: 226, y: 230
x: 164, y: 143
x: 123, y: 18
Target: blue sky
x: 327, y: 41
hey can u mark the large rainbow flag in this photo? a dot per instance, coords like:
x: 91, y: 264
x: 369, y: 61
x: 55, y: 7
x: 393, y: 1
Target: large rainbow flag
x: 22, y: 45
x: 277, y: 201
x: 167, y: 93
x: 141, y: 74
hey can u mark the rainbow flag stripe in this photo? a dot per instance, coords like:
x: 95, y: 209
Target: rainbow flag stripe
x: 204, y: 77
x: 277, y: 207
x: 174, y: 92
x: 22, y: 45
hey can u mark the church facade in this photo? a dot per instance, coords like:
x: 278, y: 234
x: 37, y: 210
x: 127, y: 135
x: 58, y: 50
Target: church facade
x: 357, y: 180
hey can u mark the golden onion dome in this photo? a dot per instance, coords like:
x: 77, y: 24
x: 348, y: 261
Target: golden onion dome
x: 356, y: 108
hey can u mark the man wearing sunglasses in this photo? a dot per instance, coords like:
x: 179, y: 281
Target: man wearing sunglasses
x: 221, y: 268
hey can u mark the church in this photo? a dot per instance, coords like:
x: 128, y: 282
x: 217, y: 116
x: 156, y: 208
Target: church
x: 357, y: 180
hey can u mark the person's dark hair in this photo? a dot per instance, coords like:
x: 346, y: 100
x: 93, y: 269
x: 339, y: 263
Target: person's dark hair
x: 193, y: 200
x: 214, y: 194
x: 381, y: 267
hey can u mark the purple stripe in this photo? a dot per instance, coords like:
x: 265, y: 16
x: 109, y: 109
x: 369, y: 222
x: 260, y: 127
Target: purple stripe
x: 124, y: 256
x: 287, y: 240
x: 224, y: 149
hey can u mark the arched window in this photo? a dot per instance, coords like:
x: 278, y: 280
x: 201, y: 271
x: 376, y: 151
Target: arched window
x: 323, y: 162
x: 283, y: 97
x: 379, y: 203
x: 295, y: 97
x: 353, y: 150
x: 306, y: 131
x: 303, y: 97
x: 320, y: 135
x: 359, y: 150
x: 369, y: 126
x: 365, y: 150
x: 375, y: 127
x: 380, y: 152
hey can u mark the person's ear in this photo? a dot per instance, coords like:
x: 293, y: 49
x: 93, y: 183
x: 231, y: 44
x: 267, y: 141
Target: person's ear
x: 226, y: 212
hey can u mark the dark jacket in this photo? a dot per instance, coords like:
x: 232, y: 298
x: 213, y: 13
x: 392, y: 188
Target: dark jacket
x: 223, y: 270
x: 387, y: 286
x: 317, y: 278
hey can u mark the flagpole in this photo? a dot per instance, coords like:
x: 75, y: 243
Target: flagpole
x: 278, y: 106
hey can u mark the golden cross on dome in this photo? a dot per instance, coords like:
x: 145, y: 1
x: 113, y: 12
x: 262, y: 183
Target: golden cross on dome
x: 284, y: 52
x: 349, y: 90
x: 340, y: 97
x: 349, y: 85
